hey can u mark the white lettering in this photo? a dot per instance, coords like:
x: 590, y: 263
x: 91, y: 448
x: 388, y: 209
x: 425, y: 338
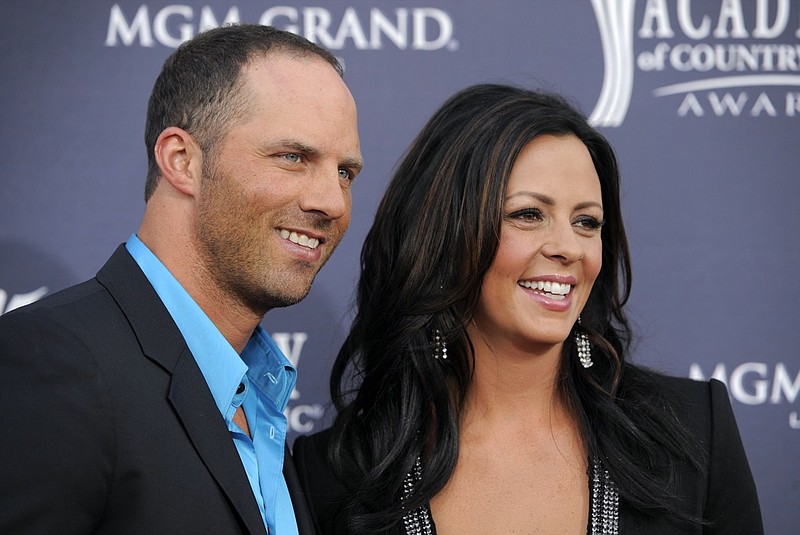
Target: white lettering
x: 118, y: 27
x: 690, y: 103
x: 161, y: 31
x: 747, y: 58
x: 209, y: 21
x: 655, y: 60
x: 291, y: 349
x: 316, y: 22
x: 676, y: 57
x: 731, y: 10
x: 794, y: 422
x: 759, y: 394
x: 291, y: 345
x: 792, y: 104
x: 303, y: 417
x: 763, y: 103
x: 783, y: 384
x: 727, y: 103
x: 787, y: 58
x: 719, y: 373
x: 730, y: 21
x: 763, y: 30
x: 655, y: 13
x: 380, y: 25
x: 429, y: 29
x: 686, y: 24
x: 784, y: 387
x: 269, y: 16
x: 420, y: 39
x: 351, y: 27
x: 704, y: 57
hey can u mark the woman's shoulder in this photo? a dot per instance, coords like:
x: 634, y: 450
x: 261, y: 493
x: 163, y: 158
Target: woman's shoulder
x: 698, y: 405
x: 325, y: 493
x: 682, y: 390
x: 312, y: 443
x: 729, y: 499
x: 310, y: 453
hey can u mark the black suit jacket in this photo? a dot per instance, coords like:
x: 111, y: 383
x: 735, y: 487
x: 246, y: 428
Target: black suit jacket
x: 723, y: 494
x: 106, y: 422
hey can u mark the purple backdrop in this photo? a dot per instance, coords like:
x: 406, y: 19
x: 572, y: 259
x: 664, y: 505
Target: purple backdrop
x: 701, y: 99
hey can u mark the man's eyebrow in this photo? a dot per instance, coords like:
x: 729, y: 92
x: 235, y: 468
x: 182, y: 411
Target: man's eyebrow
x: 293, y: 145
x: 353, y: 162
x: 356, y: 164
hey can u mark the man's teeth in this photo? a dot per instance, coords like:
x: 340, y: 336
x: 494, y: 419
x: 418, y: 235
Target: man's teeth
x: 300, y: 239
x: 555, y: 290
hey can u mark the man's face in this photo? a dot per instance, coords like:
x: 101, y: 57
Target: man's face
x: 276, y: 200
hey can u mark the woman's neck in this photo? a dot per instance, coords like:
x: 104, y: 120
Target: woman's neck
x: 514, y: 386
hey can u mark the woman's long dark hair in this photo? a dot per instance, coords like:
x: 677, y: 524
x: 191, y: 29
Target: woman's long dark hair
x: 434, y: 237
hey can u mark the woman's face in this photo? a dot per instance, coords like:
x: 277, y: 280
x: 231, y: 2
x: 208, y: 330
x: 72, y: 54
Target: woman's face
x: 550, y: 250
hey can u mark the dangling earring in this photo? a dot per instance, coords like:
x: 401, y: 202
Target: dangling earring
x: 439, y: 345
x: 584, y: 348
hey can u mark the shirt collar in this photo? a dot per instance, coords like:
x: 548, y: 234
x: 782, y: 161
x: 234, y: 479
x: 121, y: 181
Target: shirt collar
x: 268, y: 368
x: 223, y: 369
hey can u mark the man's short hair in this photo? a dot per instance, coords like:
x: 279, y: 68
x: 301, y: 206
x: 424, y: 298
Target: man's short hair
x: 199, y: 88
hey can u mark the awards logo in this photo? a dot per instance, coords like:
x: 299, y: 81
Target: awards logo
x: 724, y: 58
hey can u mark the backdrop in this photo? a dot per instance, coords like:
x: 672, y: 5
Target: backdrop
x: 700, y: 98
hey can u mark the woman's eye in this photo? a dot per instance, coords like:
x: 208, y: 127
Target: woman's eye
x: 589, y: 223
x: 527, y: 214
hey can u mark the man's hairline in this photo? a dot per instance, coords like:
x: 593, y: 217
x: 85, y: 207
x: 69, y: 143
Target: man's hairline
x: 238, y: 89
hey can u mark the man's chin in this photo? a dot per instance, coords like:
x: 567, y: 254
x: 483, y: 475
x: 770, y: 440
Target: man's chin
x: 285, y: 298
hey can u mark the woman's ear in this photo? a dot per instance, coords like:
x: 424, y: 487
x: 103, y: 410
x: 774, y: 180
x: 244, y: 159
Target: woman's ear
x: 180, y: 159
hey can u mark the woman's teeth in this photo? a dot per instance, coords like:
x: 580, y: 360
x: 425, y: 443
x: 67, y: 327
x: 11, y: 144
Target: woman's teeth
x: 554, y: 290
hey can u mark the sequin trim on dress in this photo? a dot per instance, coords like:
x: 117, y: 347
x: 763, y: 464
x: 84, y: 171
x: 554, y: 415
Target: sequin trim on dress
x: 418, y: 521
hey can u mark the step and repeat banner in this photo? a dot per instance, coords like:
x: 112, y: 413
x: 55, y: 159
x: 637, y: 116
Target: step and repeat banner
x: 700, y: 98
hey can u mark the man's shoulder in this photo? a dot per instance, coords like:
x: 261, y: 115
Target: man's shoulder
x: 83, y: 297
x: 78, y: 314
x: 66, y: 303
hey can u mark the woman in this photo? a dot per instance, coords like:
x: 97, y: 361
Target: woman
x: 485, y: 383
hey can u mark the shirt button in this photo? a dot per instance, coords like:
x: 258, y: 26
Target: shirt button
x: 240, y: 389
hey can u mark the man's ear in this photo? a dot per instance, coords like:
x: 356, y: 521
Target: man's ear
x: 180, y: 159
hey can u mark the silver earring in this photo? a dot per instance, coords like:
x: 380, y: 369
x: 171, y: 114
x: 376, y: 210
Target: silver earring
x: 584, y: 348
x: 439, y: 345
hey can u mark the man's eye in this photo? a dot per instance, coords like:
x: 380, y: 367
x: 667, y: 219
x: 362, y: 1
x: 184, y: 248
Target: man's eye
x: 292, y: 157
x: 345, y: 174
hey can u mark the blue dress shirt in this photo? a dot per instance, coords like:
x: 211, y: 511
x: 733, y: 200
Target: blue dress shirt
x: 261, y: 380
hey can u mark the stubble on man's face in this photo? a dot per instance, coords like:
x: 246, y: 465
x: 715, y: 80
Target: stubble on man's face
x: 275, y: 195
x: 233, y: 234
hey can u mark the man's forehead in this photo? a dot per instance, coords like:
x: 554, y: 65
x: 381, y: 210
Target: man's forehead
x: 281, y: 56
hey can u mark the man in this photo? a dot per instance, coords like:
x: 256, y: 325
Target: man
x: 148, y: 400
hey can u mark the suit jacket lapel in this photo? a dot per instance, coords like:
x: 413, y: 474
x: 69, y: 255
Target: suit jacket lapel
x: 200, y: 416
x: 161, y: 341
